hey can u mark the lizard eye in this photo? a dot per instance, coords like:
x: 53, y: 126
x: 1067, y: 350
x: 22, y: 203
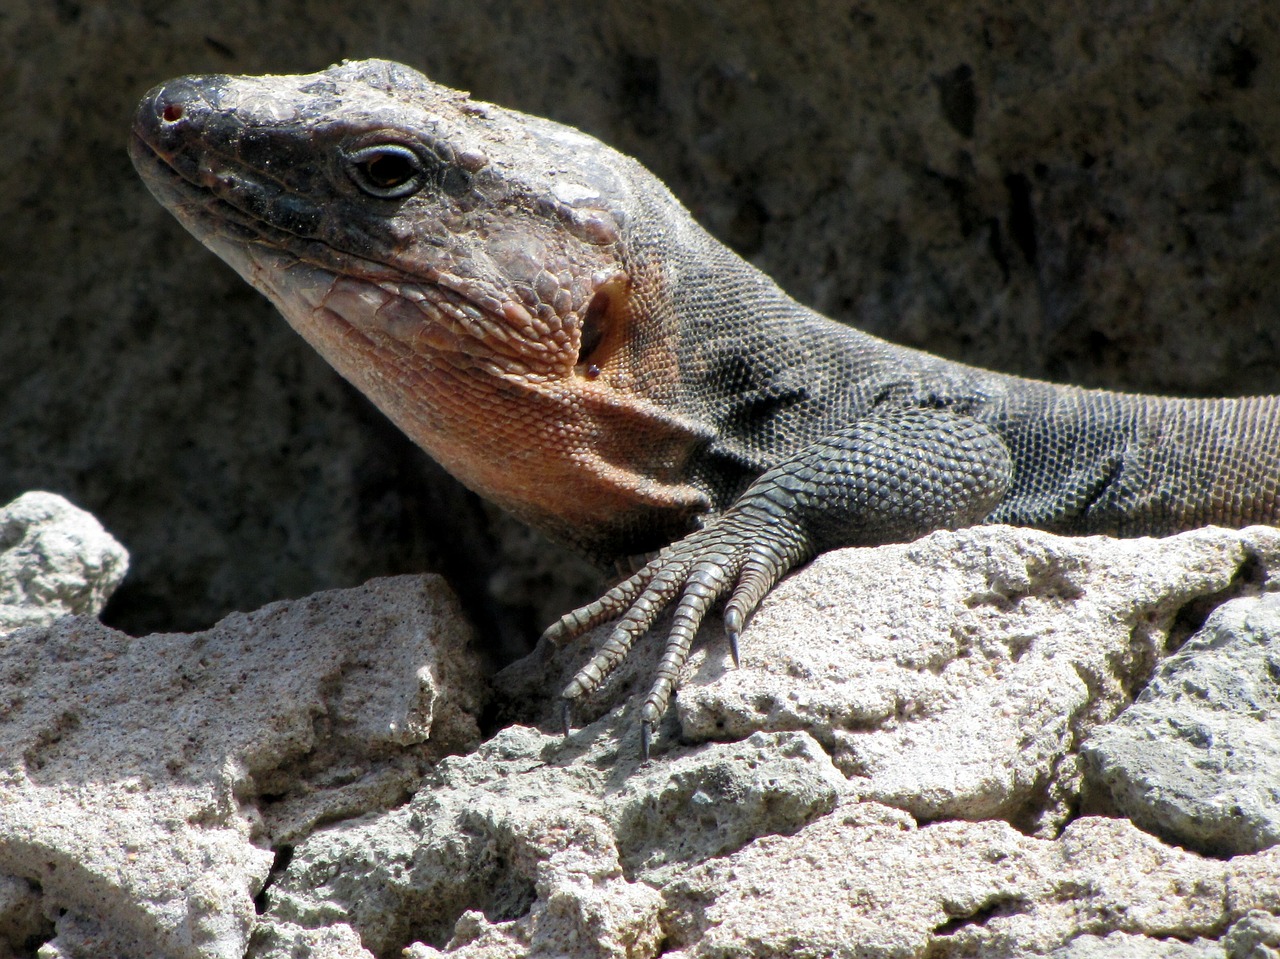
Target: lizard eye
x: 388, y: 171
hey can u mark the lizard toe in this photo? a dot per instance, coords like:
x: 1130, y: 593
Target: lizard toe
x: 760, y: 573
x: 704, y: 585
x: 611, y: 605
x: 649, y: 592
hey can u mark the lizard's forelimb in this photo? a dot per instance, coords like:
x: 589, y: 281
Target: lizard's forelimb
x: 893, y: 475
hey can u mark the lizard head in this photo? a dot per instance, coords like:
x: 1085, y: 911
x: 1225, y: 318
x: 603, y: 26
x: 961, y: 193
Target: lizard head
x: 466, y: 267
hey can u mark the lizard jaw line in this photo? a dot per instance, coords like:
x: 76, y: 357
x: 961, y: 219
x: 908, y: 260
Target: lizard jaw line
x: 260, y: 251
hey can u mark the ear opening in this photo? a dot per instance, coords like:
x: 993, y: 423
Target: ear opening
x: 603, y: 324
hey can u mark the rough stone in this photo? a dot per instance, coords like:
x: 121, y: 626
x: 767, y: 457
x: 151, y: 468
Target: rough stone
x: 282, y: 785
x: 1043, y: 188
x: 967, y: 703
x: 864, y: 880
x: 55, y: 560
x: 1196, y: 759
x: 1122, y: 945
x: 22, y: 922
x: 286, y: 941
x: 145, y: 782
x: 1255, y: 883
x: 546, y: 848
x: 1255, y: 936
x: 844, y: 888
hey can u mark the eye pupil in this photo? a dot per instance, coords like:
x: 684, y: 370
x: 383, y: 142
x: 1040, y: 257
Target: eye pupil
x: 387, y: 171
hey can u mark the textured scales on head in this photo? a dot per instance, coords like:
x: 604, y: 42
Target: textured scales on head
x: 465, y: 266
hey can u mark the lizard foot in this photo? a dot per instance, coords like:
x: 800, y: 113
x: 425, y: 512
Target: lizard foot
x: 892, y: 476
x: 742, y: 555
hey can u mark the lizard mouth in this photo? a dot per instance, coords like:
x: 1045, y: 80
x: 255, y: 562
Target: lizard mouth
x: 326, y: 293
x: 264, y: 207
x: 215, y: 200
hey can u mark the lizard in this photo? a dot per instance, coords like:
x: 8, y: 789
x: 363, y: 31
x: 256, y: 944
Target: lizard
x: 540, y: 314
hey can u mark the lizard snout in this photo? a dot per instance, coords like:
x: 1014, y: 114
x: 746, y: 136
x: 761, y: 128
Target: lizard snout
x: 168, y: 112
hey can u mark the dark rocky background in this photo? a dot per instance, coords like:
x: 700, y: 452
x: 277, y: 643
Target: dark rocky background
x: 1088, y: 192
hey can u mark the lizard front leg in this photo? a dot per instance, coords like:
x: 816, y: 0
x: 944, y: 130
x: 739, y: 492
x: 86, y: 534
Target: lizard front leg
x: 892, y: 476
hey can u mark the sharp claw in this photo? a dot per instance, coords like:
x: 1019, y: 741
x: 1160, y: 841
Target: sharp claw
x: 566, y: 716
x: 733, y: 648
x: 646, y: 736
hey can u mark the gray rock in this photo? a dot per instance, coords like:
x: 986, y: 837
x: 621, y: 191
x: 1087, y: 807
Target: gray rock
x: 862, y: 878
x: 1255, y: 936
x: 1123, y: 945
x: 278, y: 787
x: 145, y: 782
x: 716, y: 800
x: 1045, y: 188
x: 55, y: 560
x: 950, y: 677
x: 1196, y: 759
x: 1253, y: 887
x: 849, y: 887
x: 21, y: 919
x: 286, y: 941
x: 568, y: 842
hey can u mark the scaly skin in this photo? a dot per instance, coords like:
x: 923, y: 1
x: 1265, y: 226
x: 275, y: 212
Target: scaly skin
x: 542, y: 316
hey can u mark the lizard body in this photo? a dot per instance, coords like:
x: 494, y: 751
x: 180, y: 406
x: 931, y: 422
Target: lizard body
x: 543, y: 317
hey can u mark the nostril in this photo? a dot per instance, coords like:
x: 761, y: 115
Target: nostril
x: 171, y: 112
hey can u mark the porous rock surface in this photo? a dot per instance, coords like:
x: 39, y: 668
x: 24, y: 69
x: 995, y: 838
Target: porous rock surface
x: 1080, y: 191
x: 55, y: 560
x: 146, y: 783
x: 895, y: 771
x: 1196, y: 758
